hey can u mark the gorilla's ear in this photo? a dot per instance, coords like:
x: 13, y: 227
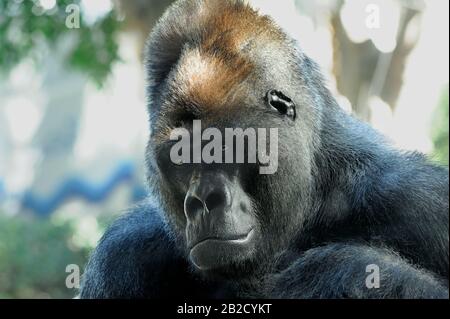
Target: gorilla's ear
x: 283, y: 104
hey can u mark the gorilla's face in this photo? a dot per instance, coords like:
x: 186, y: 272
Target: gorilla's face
x: 229, y: 217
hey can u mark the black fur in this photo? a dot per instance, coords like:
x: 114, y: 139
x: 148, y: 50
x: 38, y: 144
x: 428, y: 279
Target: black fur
x: 342, y: 199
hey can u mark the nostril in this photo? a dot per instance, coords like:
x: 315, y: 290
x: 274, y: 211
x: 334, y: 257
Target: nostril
x: 193, y: 206
x: 215, y: 200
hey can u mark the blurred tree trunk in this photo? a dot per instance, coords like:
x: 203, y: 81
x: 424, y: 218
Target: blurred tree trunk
x: 5, y: 141
x: 362, y: 71
x: 58, y: 130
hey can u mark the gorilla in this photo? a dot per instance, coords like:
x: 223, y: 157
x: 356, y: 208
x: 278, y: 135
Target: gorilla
x: 342, y: 208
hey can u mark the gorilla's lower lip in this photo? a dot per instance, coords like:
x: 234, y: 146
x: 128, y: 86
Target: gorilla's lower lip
x: 237, y: 239
x: 214, y: 252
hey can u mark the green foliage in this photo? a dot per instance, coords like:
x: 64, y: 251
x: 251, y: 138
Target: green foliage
x: 25, y: 27
x: 440, y: 131
x: 34, y: 254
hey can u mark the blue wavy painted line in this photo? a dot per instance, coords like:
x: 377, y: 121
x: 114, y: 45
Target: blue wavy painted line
x: 78, y: 188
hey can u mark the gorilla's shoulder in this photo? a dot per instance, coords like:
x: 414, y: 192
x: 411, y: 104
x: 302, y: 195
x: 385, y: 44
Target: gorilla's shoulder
x: 142, y: 222
x: 134, y: 246
x: 141, y: 228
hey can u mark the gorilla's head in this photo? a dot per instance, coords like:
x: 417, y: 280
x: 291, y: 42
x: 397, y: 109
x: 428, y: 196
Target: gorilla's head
x: 222, y: 63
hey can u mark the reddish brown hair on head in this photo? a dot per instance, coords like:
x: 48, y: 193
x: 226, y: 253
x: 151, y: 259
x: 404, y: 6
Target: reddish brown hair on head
x: 209, y: 52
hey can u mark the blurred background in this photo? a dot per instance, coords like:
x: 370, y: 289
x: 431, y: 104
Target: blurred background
x: 73, y: 123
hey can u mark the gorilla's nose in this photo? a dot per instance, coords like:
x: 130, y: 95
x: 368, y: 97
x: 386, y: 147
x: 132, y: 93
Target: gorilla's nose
x: 207, y: 193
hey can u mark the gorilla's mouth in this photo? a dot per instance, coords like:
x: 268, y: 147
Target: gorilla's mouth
x: 239, y: 239
x: 215, y: 252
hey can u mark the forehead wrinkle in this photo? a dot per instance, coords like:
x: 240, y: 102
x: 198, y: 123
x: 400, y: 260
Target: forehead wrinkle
x: 207, y: 80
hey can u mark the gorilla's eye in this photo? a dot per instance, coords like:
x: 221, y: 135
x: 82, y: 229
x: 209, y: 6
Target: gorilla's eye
x: 281, y: 103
